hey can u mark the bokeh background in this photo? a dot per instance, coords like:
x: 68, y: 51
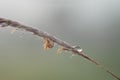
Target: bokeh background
x: 92, y: 24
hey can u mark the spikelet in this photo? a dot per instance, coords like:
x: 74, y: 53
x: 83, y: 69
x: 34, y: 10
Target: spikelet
x: 48, y: 43
x: 59, y: 50
x: 13, y: 30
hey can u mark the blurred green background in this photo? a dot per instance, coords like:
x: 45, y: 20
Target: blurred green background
x: 92, y: 24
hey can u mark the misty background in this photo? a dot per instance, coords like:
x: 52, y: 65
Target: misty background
x: 92, y: 24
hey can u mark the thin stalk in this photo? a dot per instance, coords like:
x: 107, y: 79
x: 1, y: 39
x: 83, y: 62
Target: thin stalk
x: 67, y: 46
